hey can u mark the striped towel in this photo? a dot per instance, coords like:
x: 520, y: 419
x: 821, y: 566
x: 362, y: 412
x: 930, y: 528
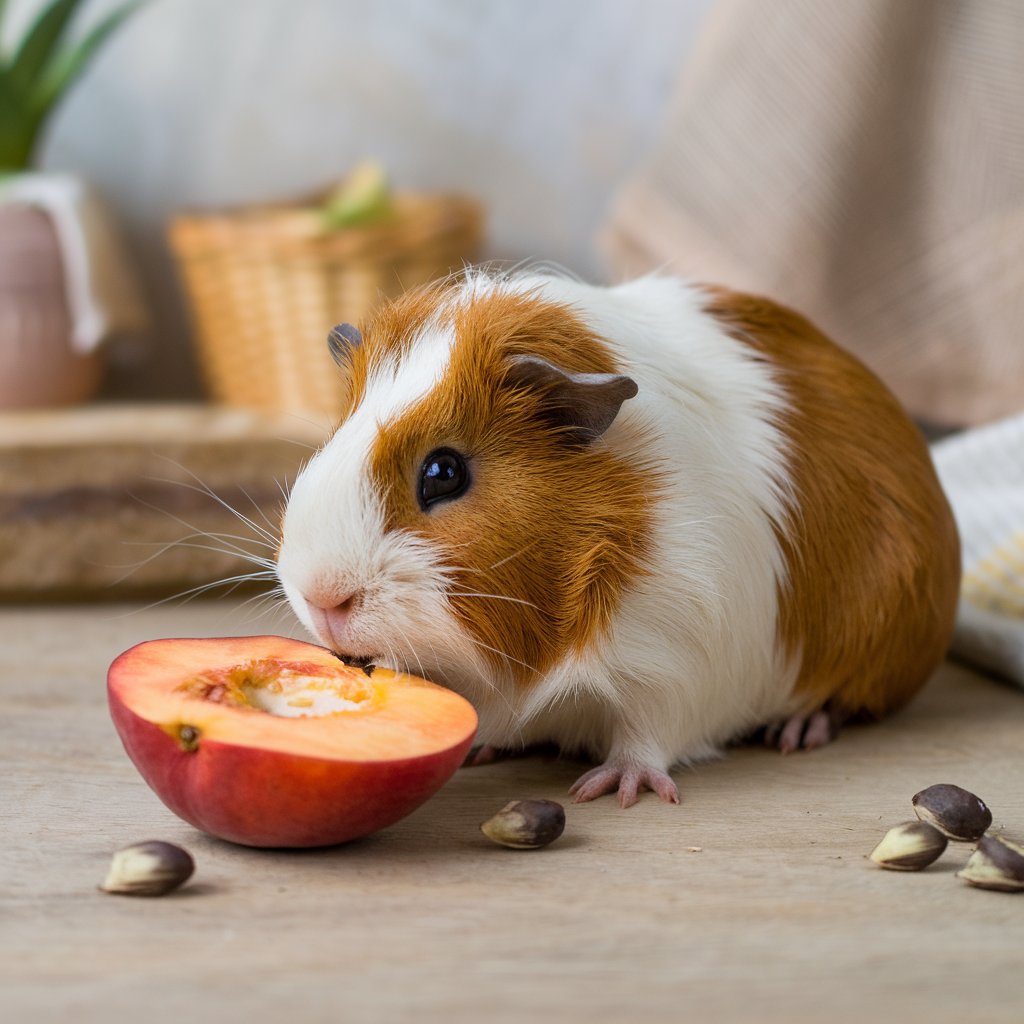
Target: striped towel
x: 982, y: 471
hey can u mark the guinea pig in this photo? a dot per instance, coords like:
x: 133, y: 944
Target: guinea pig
x: 638, y: 522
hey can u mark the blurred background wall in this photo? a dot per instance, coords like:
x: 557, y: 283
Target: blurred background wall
x: 540, y: 108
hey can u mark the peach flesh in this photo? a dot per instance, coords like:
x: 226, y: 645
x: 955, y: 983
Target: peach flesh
x: 267, y: 741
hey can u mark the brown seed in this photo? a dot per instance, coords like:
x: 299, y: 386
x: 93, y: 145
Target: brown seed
x: 909, y: 847
x: 953, y: 811
x: 526, y: 824
x: 996, y: 864
x: 152, y: 868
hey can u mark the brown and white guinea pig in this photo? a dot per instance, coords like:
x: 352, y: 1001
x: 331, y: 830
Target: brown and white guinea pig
x: 637, y: 521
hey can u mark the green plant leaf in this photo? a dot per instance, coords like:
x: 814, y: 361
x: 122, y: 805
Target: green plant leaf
x: 65, y: 68
x: 17, y: 129
x: 40, y: 43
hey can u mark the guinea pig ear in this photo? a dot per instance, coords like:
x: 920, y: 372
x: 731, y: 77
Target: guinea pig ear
x: 342, y: 339
x: 585, y: 404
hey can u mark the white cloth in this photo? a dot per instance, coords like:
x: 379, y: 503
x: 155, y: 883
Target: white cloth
x: 982, y: 471
x: 102, y: 292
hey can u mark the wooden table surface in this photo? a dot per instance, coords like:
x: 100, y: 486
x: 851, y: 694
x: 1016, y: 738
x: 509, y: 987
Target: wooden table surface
x: 779, y: 916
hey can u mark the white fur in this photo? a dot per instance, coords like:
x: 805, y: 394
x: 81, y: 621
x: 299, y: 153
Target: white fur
x: 333, y: 542
x: 691, y: 659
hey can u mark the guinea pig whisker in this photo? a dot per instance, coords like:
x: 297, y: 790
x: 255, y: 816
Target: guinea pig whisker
x: 201, y: 488
x: 464, y: 544
x: 388, y: 660
x: 436, y: 660
x: 498, y: 597
x: 233, y: 550
x: 502, y: 654
x: 515, y: 554
x: 188, y: 542
x: 412, y: 650
x: 184, y: 596
x: 316, y: 424
x: 391, y: 657
x: 509, y: 558
x: 230, y: 545
x: 270, y: 543
x: 275, y: 593
x: 258, y: 604
x: 216, y: 535
x: 270, y: 603
x: 271, y: 535
x: 490, y: 684
x: 450, y: 570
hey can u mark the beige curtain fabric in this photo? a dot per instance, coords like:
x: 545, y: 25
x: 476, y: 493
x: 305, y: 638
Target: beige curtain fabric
x: 862, y: 161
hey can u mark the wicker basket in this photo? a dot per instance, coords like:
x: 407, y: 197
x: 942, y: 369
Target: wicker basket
x: 265, y: 289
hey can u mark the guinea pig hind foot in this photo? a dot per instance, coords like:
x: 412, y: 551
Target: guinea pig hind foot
x: 629, y: 778
x: 802, y: 732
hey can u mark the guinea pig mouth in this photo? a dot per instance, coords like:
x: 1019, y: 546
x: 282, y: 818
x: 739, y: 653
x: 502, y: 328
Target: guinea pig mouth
x: 366, y: 663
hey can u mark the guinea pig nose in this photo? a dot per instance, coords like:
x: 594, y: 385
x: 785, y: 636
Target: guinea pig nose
x: 344, y: 607
x: 329, y: 602
x: 330, y: 620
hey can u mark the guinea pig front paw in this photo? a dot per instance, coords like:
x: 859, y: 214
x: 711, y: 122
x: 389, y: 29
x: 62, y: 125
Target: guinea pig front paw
x: 629, y: 778
x: 486, y: 754
x: 803, y: 732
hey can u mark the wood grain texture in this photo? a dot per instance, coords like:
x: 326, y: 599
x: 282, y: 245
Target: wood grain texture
x: 113, y: 501
x: 780, y: 916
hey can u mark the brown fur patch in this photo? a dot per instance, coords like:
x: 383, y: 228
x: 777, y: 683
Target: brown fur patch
x: 871, y: 548
x: 388, y: 337
x: 557, y: 530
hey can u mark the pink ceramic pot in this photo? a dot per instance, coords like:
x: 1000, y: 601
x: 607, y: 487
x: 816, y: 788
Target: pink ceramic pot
x: 38, y: 366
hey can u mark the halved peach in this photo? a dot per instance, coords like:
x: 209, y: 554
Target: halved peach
x: 268, y: 741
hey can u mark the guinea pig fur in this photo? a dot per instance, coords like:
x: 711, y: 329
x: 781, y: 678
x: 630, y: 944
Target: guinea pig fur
x: 638, y: 522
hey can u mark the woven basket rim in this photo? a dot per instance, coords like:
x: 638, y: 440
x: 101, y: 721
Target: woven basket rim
x: 405, y: 201
x: 416, y: 218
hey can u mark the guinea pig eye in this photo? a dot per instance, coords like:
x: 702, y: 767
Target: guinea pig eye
x: 444, y: 475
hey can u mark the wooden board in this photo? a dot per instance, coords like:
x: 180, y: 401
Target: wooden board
x: 778, y: 917
x: 121, y: 500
